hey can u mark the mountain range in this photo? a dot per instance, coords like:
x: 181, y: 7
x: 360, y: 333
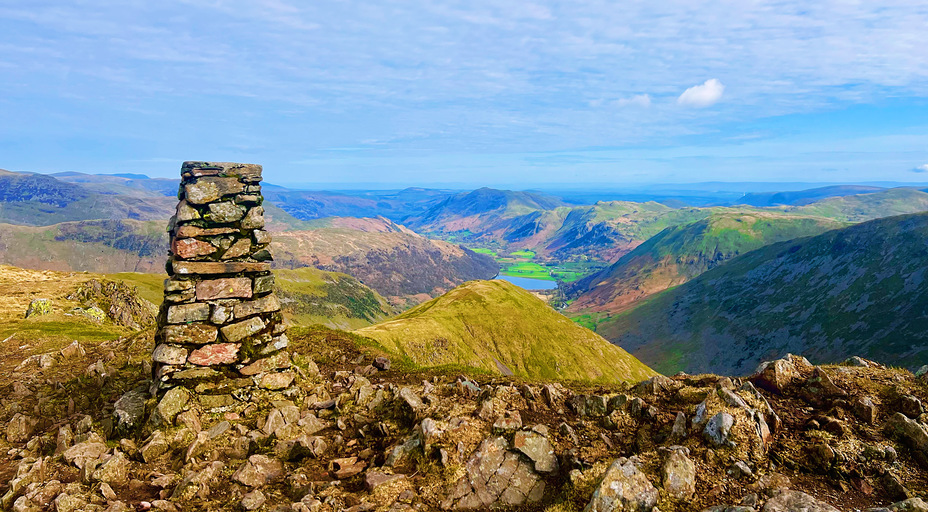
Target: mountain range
x: 858, y: 290
x: 680, y: 253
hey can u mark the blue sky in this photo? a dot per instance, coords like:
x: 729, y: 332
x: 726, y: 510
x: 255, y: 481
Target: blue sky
x: 478, y: 92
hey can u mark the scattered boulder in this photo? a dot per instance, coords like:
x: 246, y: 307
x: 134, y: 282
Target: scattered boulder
x: 865, y: 409
x: 776, y: 376
x: 536, y: 446
x: 258, y: 470
x: 375, y: 479
x: 253, y: 500
x: 910, y: 432
x: 38, y: 307
x: 113, y: 471
x: 793, y: 501
x: 20, y: 428
x: 623, y: 488
x: 130, y: 408
x: 171, y: 404
x: 909, y: 505
x: 910, y: 406
x: 718, y: 429
x: 495, y: 476
x: 382, y: 363
x: 678, y: 474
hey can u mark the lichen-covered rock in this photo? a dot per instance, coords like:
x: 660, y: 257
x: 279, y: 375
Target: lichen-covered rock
x: 80, y: 453
x: 170, y: 405
x: 624, y: 488
x: 38, y: 307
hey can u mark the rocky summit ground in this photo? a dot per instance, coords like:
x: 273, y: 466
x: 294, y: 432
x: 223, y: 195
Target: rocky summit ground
x: 355, y: 432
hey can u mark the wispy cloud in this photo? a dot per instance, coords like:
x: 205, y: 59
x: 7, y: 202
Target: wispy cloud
x: 709, y: 93
x: 921, y: 168
x: 638, y: 100
x: 475, y: 75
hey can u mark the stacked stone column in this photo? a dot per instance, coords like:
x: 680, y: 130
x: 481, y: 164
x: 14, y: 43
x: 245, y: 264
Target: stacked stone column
x: 221, y: 332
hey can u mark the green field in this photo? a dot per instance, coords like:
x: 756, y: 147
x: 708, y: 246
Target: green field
x: 519, y: 264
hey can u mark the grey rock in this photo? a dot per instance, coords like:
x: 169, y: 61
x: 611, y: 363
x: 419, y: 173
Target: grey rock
x: 536, y: 447
x: 80, y: 453
x: 495, y: 477
x: 382, y: 363
x: 678, y: 431
x: 400, y: 452
x: 909, y: 505
x: 623, y: 488
x: 113, y: 471
x: 225, y: 212
x: 130, y: 408
x: 911, y: 433
x: 856, y: 361
x: 155, y: 446
x: 718, y: 429
x: 411, y: 402
x: 795, y: 501
x: 509, y: 420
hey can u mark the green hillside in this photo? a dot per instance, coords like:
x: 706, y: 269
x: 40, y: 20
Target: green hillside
x: 860, y: 290
x: 680, y: 253
x: 864, y: 207
x: 498, y: 327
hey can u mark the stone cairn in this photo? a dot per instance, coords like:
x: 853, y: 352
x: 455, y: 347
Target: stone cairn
x: 220, y: 329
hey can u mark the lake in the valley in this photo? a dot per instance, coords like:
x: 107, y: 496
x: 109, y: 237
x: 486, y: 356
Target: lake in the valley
x: 529, y: 283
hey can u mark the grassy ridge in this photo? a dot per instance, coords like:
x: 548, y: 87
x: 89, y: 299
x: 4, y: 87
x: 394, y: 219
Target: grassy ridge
x: 498, y: 327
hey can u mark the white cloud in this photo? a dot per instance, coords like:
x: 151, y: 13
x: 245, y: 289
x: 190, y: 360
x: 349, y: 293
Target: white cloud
x: 921, y: 168
x: 703, y: 95
x: 638, y: 100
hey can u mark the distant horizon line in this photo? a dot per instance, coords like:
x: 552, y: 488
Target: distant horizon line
x: 548, y: 186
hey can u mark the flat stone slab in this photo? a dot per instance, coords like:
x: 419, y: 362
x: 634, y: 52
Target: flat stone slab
x: 225, y: 288
x: 214, y: 267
